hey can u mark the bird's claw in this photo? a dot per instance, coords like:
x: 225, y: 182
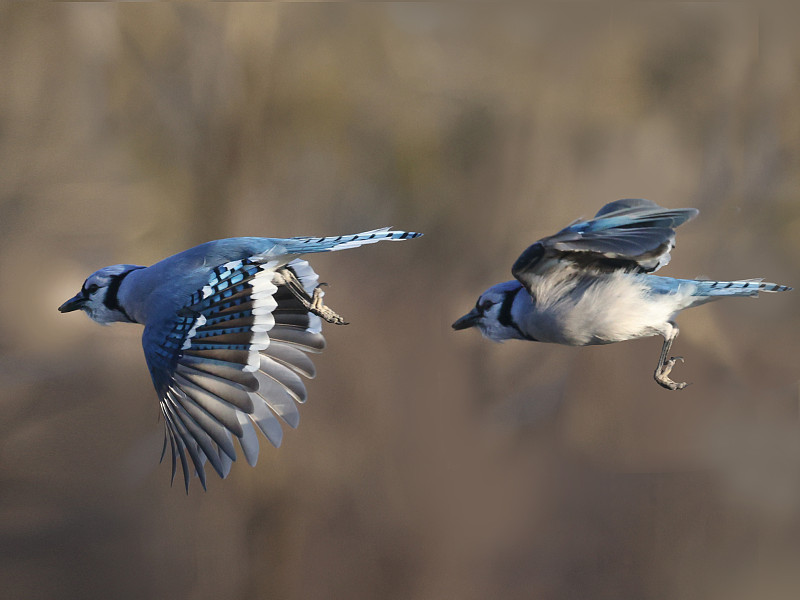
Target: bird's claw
x: 324, y: 312
x: 314, y: 302
x: 662, y: 375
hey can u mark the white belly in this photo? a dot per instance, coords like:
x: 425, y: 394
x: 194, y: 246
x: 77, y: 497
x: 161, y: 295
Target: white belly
x: 600, y: 310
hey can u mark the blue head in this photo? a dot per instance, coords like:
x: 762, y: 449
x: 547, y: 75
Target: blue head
x: 492, y: 313
x: 98, y: 295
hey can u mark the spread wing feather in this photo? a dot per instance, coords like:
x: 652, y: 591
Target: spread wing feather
x: 632, y: 234
x: 231, y: 361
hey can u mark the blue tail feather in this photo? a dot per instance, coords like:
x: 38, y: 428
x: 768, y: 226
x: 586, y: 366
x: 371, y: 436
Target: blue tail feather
x: 302, y: 245
x: 744, y: 287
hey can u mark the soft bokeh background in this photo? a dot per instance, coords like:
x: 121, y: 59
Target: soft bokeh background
x: 428, y: 464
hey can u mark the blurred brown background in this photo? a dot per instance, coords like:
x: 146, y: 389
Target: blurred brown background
x: 428, y: 464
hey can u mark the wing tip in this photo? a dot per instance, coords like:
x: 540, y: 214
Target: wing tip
x: 530, y: 256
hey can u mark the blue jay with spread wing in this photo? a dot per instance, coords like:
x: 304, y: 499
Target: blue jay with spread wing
x: 228, y: 326
x: 590, y: 283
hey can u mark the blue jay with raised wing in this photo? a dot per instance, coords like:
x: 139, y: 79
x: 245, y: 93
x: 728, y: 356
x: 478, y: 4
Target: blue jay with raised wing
x: 591, y: 283
x: 227, y: 328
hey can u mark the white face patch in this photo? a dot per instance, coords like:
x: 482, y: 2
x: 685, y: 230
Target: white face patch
x: 95, y: 291
x: 99, y: 312
x: 494, y: 306
x: 491, y: 327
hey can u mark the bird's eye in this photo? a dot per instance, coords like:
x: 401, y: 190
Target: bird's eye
x: 485, y: 305
x: 93, y: 288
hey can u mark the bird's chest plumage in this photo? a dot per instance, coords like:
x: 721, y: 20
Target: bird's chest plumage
x: 596, y: 309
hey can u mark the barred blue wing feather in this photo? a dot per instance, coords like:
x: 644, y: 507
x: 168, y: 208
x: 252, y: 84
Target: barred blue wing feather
x: 233, y: 359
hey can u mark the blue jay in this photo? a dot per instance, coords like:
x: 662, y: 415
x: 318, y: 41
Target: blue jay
x: 590, y: 283
x: 227, y: 328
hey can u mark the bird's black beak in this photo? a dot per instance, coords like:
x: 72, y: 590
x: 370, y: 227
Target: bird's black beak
x: 74, y: 303
x: 468, y: 320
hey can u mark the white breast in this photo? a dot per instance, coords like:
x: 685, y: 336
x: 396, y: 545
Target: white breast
x: 599, y: 309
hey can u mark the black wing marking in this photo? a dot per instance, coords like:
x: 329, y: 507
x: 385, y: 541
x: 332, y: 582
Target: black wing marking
x: 631, y: 234
x: 233, y: 359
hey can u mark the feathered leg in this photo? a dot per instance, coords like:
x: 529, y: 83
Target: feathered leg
x: 665, y: 366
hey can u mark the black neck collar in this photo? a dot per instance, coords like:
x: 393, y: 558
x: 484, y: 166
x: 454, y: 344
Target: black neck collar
x: 112, y: 294
x: 505, y: 318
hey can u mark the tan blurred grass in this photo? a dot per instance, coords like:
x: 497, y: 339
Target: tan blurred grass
x: 428, y: 464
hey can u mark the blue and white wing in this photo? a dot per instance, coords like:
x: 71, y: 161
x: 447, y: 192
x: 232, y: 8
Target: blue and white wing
x: 632, y: 234
x: 232, y: 359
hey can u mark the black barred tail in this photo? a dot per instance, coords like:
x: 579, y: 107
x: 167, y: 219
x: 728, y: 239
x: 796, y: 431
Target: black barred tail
x: 774, y: 287
x: 302, y: 245
x: 744, y: 287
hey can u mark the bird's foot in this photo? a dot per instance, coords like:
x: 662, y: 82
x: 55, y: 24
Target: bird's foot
x: 324, y: 312
x: 662, y: 375
x: 314, y: 302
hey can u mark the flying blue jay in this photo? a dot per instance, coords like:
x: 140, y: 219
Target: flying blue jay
x: 227, y: 328
x: 590, y: 283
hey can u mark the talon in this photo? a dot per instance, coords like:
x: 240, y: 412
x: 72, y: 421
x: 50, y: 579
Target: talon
x: 667, y: 383
x: 662, y: 375
x: 314, y: 302
x: 322, y: 311
x: 665, y: 366
x: 329, y: 316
